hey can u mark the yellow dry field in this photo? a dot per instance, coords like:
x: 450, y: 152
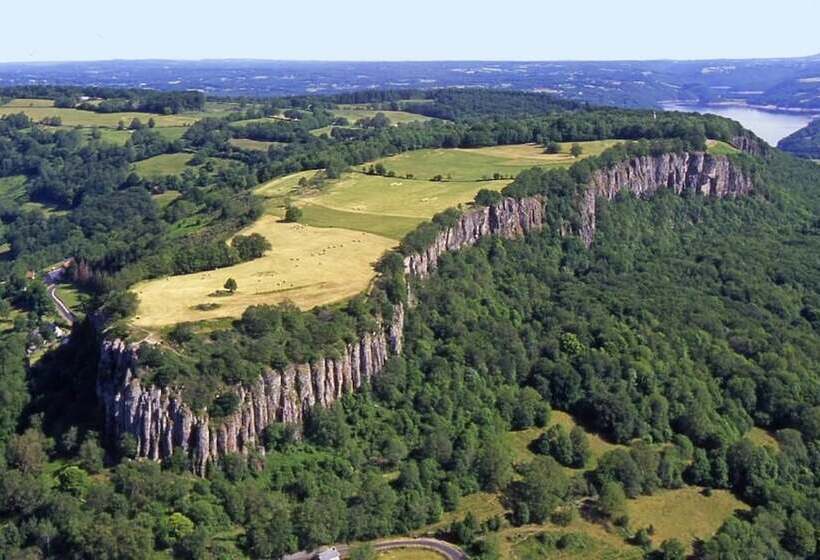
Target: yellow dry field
x: 76, y: 117
x: 22, y: 102
x: 308, y: 266
x: 684, y: 514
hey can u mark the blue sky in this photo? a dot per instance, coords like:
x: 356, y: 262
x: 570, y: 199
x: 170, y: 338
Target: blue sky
x: 409, y: 30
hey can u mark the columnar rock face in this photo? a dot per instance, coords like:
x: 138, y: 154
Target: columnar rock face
x: 160, y: 421
x: 706, y: 174
x: 510, y: 218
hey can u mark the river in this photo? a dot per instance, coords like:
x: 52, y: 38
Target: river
x: 772, y: 126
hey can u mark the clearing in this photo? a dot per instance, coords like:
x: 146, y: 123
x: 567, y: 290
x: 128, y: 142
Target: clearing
x: 685, y: 514
x: 519, y: 441
x: 353, y: 114
x: 307, y: 265
x: 163, y: 164
x: 248, y: 144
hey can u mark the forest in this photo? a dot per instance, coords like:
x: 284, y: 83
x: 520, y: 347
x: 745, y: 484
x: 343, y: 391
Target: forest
x: 686, y: 324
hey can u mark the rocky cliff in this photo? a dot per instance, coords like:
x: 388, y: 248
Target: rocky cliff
x: 160, y: 421
x: 510, y: 218
x: 699, y: 172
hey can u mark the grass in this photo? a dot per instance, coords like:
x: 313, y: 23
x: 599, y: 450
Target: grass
x: 480, y: 163
x: 483, y: 505
x: 764, y: 438
x: 248, y: 144
x: 356, y: 192
x: 29, y: 103
x: 166, y: 198
x: 309, y: 266
x: 76, y: 117
x: 409, y: 554
x: 164, y: 164
x: 519, y: 441
x: 684, y: 514
x: 13, y: 189
x: 73, y: 297
x: 581, y: 547
x: 396, y: 117
x: 720, y: 148
x: 393, y: 227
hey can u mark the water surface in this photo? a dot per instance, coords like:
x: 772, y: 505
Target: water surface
x: 772, y: 126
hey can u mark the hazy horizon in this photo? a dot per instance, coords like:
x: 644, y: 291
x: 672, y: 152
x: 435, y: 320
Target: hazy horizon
x: 363, y: 31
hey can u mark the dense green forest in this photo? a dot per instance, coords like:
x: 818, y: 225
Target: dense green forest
x: 804, y: 142
x: 685, y: 324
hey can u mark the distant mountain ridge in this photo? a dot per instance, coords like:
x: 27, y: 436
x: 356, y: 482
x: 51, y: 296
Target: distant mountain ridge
x: 804, y: 142
x: 792, y: 83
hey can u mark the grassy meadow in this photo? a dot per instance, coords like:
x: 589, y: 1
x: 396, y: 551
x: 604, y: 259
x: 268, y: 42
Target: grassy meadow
x: 307, y: 265
x: 475, y: 164
x: 352, y: 114
x: 409, y: 554
x: 248, y: 144
x: 164, y: 164
x: 77, y: 117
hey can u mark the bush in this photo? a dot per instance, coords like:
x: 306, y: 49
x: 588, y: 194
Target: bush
x: 293, y: 214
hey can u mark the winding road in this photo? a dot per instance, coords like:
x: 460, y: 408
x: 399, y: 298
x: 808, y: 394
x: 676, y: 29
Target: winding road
x: 51, y: 279
x: 447, y: 550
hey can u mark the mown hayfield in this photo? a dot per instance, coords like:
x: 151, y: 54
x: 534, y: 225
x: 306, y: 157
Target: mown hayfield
x: 409, y: 554
x: 309, y: 266
x: 685, y: 514
x: 164, y: 164
x: 356, y: 192
x: 474, y: 164
x: 76, y: 117
x: 396, y: 117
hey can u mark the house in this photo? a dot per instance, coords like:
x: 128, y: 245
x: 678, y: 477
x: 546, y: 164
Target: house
x: 329, y: 554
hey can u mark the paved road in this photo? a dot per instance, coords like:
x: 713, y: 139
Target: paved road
x: 449, y: 551
x: 62, y: 308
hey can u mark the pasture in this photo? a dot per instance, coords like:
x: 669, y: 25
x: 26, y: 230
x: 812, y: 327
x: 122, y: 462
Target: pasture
x: 164, y: 164
x: 307, y: 265
x: 353, y: 114
x: 248, y: 144
x: 474, y: 164
x: 685, y: 514
x: 393, y: 196
x: 77, y: 117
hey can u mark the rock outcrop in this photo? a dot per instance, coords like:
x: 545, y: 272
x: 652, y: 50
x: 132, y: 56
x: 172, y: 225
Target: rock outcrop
x: 160, y: 421
x: 706, y: 174
x: 510, y: 218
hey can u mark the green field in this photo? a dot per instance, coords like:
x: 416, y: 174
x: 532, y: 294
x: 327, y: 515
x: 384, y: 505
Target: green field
x: 393, y: 227
x: 165, y: 164
x: 29, y: 103
x: 248, y: 144
x: 166, y: 198
x: 77, y: 117
x: 396, y: 117
x: 481, y: 163
x: 685, y: 514
x: 720, y: 148
x: 392, y: 196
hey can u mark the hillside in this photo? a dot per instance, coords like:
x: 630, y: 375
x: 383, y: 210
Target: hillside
x: 608, y: 349
x: 805, y: 142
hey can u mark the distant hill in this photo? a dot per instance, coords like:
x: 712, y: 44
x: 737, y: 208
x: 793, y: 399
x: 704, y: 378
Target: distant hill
x: 781, y: 82
x: 804, y: 142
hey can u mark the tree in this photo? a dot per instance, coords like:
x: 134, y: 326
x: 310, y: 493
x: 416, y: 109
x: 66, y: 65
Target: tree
x: 612, y: 500
x: 91, y: 455
x: 230, y: 285
x: 495, y: 464
x: 670, y: 549
x: 576, y: 150
x: 293, y: 214
x: 552, y: 147
x: 580, y: 447
x: 543, y: 488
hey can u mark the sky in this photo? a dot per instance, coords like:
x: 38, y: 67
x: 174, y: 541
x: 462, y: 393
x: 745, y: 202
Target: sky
x: 416, y: 30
